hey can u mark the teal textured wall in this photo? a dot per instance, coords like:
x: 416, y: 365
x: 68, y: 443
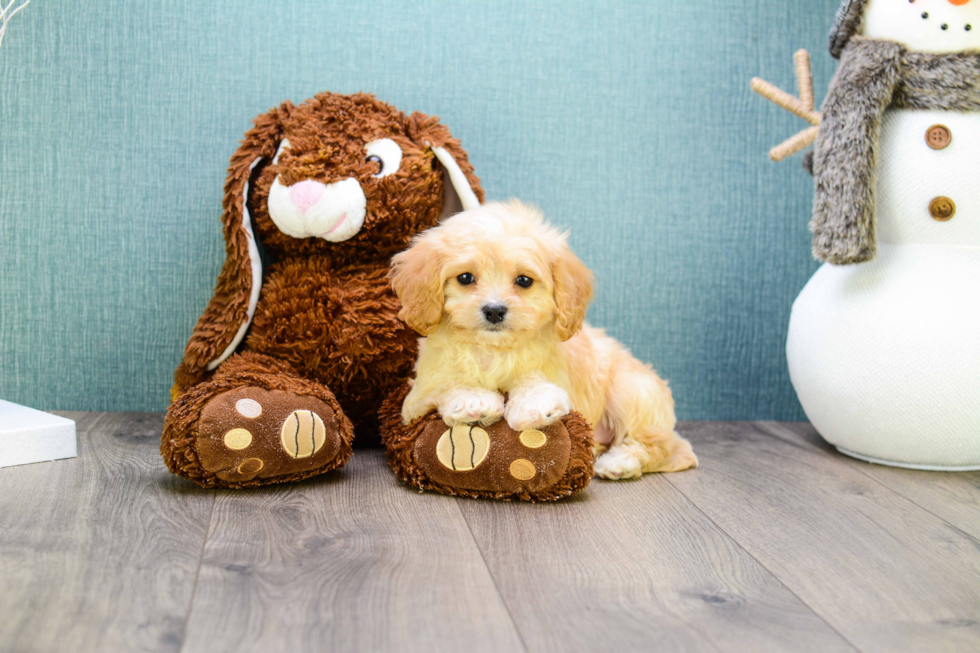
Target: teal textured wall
x: 629, y: 122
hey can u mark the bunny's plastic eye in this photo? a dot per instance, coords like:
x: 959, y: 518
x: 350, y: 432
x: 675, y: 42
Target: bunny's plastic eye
x: 524, y: 282
x: 386, y: 152
x: 377, y: 159
x: 465, y: 279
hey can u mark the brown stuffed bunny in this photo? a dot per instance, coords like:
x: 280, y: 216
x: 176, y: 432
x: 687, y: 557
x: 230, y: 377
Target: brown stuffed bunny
x: 302, y: 342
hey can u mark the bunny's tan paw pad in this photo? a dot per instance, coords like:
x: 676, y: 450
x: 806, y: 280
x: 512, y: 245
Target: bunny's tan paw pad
x: 250, y: 436
x: 250, y: 433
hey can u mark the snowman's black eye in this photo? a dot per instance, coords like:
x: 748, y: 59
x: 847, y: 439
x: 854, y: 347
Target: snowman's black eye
x: 968, y: 28
x: 925, y: 14
x: 945, y: 26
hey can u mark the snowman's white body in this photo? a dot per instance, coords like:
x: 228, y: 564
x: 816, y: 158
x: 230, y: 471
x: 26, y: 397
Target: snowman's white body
x: 885, y: 355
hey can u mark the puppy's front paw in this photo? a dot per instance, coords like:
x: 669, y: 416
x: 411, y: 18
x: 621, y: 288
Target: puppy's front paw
x: 536, y: 407
x: 472, y: 405
x: 618, y: 464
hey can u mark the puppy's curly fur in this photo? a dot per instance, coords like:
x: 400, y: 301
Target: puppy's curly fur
x: 501, y: 300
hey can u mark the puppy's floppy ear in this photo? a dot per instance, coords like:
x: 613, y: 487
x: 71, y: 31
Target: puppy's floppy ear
x: 416, y: 276
x: 225, y: 321
x: 573, y: 292
x: 461, y: 186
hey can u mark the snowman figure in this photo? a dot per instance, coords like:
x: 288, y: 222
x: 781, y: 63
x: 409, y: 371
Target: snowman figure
x: 884, y: 340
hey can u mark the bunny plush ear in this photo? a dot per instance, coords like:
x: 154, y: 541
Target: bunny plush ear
x: 462, y: 186
x: 223, y: 325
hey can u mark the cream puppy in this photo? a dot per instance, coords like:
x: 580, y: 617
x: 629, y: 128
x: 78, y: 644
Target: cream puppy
x: 501, y: 301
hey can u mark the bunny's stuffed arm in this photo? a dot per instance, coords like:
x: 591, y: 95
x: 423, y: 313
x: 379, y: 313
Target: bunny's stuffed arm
x: 223, y: 325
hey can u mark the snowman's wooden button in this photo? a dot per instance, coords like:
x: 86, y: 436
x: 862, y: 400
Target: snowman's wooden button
x: 942, y: 209
x: 938, y: 137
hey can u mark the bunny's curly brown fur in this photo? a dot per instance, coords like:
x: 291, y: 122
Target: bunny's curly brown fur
x: 325, y: 309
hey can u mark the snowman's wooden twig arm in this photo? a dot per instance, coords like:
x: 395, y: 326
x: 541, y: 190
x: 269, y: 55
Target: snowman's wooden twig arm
x: 785, y: 100
x: 792, y: 145
x: 801, y: 106
x: 804, y: 78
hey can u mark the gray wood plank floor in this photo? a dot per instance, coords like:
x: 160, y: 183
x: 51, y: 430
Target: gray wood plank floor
x: 777, y: 543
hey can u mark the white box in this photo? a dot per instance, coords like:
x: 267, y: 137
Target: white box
x: 31, y: 436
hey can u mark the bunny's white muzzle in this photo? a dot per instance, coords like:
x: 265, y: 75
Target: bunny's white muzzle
x: 308, y: 209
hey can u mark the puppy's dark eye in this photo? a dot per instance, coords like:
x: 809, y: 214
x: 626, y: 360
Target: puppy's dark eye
x: 524, y: 282
x: 465, y: 279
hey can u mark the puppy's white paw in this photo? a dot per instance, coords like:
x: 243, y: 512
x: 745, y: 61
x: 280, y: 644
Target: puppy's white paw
x: 536, y: 407
x: 618, y: 464
x: 472, y: 405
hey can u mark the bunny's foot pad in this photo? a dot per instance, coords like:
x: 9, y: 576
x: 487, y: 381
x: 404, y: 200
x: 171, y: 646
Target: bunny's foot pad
x: 492, y: 462
x: 248, y: 436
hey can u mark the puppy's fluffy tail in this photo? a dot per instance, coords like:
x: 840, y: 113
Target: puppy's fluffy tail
x: 640, y: 413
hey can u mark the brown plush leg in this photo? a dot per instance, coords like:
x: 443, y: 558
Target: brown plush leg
x: 255, y: 422
x: 493, y: 462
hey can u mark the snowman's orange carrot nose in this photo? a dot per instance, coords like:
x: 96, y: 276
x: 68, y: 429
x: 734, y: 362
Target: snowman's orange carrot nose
x: 958, y: 2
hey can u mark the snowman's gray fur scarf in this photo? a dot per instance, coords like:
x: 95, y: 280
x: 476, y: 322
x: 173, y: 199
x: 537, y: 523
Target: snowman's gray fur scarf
x: 874, y: 76
x: 847, y: 23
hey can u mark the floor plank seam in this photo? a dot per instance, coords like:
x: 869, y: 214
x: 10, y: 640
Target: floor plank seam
x: 493, y: 578
x: 197, y: 574
x: 799, y: 442
x: 763, y: 566
x: 918, y: 505
x: 861, y: 468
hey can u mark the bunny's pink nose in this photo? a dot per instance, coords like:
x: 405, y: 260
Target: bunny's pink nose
x: 306, y: 193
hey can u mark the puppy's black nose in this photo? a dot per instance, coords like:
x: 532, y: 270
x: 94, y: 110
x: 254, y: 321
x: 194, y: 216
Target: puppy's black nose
x: 494, y: 313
